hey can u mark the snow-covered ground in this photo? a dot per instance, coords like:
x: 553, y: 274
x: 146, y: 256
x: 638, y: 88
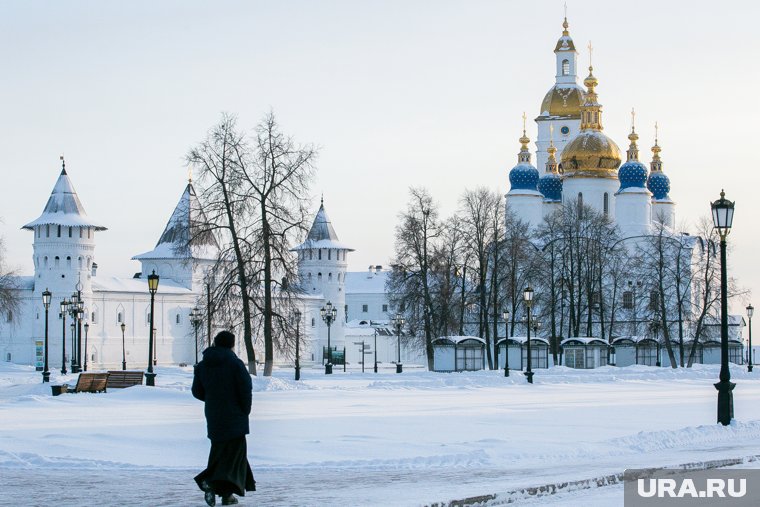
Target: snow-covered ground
x: 371, y: 439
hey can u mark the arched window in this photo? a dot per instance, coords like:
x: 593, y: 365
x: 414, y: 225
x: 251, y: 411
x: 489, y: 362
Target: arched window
x: 606, y: 204
x: 329, y: 277
x: 565, y: 67
x: 319, y: 277
x: 68, y: 262
x: 80, y: 262
x: 118, y: 318
x: 46, y: 261
x: 57, y: 261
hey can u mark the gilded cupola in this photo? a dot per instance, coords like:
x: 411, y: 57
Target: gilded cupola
x: 591, y: 154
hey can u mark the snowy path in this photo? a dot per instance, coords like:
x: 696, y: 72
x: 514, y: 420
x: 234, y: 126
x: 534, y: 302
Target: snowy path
x: 387, y: 439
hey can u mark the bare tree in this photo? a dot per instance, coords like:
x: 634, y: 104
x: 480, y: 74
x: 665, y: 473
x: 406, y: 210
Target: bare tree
x: 411, y: 283
x: 9, y: 299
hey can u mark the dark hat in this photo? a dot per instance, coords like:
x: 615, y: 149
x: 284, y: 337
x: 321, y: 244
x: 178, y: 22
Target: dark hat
x: 224, y: 339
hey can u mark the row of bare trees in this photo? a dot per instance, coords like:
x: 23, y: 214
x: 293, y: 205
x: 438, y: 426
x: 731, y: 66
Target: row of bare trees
x: 457, y: 275
x: 252, y: 195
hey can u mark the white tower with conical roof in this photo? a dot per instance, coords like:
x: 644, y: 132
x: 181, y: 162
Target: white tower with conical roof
x: 185, y: 251
x: 64, y: 243
x: 322, y: 265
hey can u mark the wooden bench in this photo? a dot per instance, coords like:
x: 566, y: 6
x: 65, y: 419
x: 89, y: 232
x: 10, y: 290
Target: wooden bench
x: 91, y: 383
x: 119, y: 379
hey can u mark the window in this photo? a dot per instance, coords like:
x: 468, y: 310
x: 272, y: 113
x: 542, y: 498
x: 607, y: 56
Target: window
x: 176, y: 320
x: 88, y: 233
x: 345, y: 311
x: 469, y: 358
x: 309, y: 277
x: 47, y: 230
x: 365, y: 308
x: 118, y: 318
x: 329, y: 254
x: 539, y: 355
x: 654, y: 300
x: 648, y: 355
x: 68, y: 262
x: 39, y: 231
x: 70, y: 231
x: 320, y: 254
x: 574, y: 358
x: 59, y: 231
x: 319, y: 277
x: 565, y: 67
x: 8, y: 357
x: 80, y: 262
x: 606, y: 204
x: 80, y: 232
x: 311, y: 255
x: 93, y: 318
x: 57, y: 261
x: 46, y: 261
x: 735, y: 355
x: 628, y: 300
x: 385, y: 308
x: 147, y: 319
x: 329, y: 277
x: 312, y: 322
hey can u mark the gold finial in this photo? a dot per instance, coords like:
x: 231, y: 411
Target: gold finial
x: 633, y: 149
x: 524, y: 155
x: 590, y: 54
x: 565, y: 24
x: 524, y: 119
x: 633, y: 119
x: 656, y: 164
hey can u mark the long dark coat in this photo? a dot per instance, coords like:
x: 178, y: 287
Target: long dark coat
x: 222, y: 381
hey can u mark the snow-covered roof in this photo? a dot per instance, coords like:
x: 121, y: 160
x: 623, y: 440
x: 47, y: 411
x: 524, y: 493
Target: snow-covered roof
x: 584, y: 340
x: 635, y: 339
x: 363, y: 282
x: 136, y: 285
x: 523, y: 339
x: 183, y: 237
x: 322, y: 234
x: 63, y: 208
x: 459, y: 339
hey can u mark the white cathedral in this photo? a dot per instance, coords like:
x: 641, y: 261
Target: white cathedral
x: 64, y: 240
x: 589, y: 160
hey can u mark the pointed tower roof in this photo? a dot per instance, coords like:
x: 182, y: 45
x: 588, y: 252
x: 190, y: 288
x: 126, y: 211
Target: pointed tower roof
x: 322, y: 234
x: 63, y: 207
x: 182, y: 237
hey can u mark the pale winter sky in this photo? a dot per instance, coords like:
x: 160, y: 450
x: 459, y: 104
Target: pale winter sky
x: 396, y: 93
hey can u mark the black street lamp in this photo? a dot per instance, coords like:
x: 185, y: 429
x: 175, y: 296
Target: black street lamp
x: 375, y: 350
x: 398, y: 322
x: 86, y: 329
x: 64, y: 309
x: 723, y: 217
x: 505, y: 314
x: 750, y: 311
x: 123, y: 348
x: 73, y: 306
x: 329, y: 314
x: 528, y: 297
x: 297, y: 317
x: 196, y: 317
x: 46, y: 295
x: 150, y: 377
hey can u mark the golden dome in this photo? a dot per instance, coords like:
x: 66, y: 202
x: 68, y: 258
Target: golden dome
x: 563, y: 101
x: 591, y: 154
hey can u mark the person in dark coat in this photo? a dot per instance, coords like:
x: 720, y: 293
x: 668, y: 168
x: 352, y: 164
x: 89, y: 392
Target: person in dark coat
x: 222, y: 381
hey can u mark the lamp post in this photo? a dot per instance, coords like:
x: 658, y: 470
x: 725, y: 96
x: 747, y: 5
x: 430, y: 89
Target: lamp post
x: 528, y: 297
x: 150, y: 377
x: 73, y: 313
x: 86, y: 329
x: 80, y: 315
x: 123, y: 348
x: 329, y: 314
x: 398, y: 322
x: 297, y: 317
x: 196, y: 317
x: 750, y: 311
x: 375, y: 350
x: 505, y: 314
x: 46, y: 295
x: 64, y: 309
x: 723, y: 217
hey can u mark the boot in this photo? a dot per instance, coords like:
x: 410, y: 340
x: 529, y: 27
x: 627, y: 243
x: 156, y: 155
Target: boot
x: 208, y: 494
x: 229, y: 500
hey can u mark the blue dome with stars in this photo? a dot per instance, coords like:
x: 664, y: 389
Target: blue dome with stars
x: 550, y: 185
x: 632, y: 174
x: 659, y: 184
x: 523, y: 177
